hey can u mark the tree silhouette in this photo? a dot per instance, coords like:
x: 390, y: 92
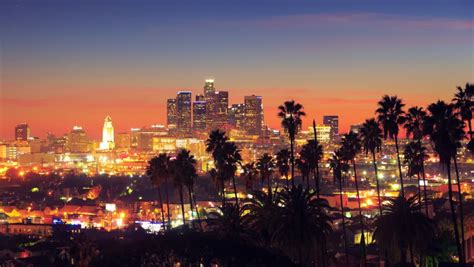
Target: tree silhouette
x: 414, y: 155
x: 464, y: 103
x: 157, y: 170
x: 249, y: 173
x: 283, y: 164
x: 312, y: 153
x: 265, y: 165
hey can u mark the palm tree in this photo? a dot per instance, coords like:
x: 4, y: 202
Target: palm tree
x: 318, y: 152
x: 351, y: 145
x: 157, y: 169
x: 390, y: 116
x: 290, y: 114
x: 249, y: 173
x: 414, y: 155
x: 464, y: 103
x: 265, y: 165
x: 371, y: 137
x: 338, y: 167
x: 184, y: 174
x: 232, y: 159
x: 415, y: 118
x: 312, y: 153
x: 215, y: 145
x: 303, y: 166
x: 302, y: 223
x: 403, y: 227
x: 283, y: 163
x: 445, y: 131
x: 228, y: 221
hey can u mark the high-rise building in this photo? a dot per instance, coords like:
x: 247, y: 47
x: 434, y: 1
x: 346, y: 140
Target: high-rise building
x: 237, y: 116
x: 78, y: 141
x: 221, y: 104
x: 171, y: 113
x: 183, y: 108
x: 209, y: 97
x: 107, y: 135
x: 22, y: 132
x: 199, y: 114
x: 253, y: 114
x: 333, y: 122
x: 122, y: 141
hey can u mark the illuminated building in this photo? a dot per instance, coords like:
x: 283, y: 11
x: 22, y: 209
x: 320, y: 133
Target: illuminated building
x: 183, y: 108
x: 134, y: 133
x: 107, y: 135
x: 237, y: 115
x: 171, y: 114
x: 209, y: 97
x: 221, y: 104
x: 323, y: 133
x: 122, y: 141
x: 22, y: 132
x: 333, y: 122
x: 145, y: 136
x: 78, y: 141
x: 199, y: 114
x: 253, y: 115
x: 355, y: 128
x: 3, y: 152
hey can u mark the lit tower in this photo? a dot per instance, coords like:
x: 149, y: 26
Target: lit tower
x: 107, y: 135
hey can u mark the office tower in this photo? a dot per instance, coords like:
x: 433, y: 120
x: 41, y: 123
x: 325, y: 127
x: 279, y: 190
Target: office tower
x: 333, y: 122
x: 209, y: 97
x: 22, y: 132
x: 253, y: 114
x: 78, y: 141
x: 107, y: 135
x: 183, y: 109
x: 171, y: 114
x: 199, y: 113
x: 237, y: 116
x: 123, y: 141
x: 220, y: 116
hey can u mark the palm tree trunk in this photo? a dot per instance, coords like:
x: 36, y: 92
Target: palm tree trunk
x: 167, y: 202
x: 419, y: 190
x: 343, y: 222
x: 223, y: 189
x: 470, y: 129
x: 316, y: 177
x: 377, y: 181
x: 461, y: 210
x: 269, y: 184
x: 402, y: 190
x: 196, y: 207
x: 235, y: 190
x: 316, y: 180
x: 453, y: 213
x: 191, y: 206
x: 182, y: 204
x: 424, y: 182
x: 292, y: 159
x: 161, y: 206
x: 362, y: 238
x: 287, y: 181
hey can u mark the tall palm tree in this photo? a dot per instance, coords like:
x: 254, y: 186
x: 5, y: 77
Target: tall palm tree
x: 338, y: 167
x: 463, y: 101
x: 265, y: 165
x: 445, y: 131
x: 303, y: 166
x: 232, y: 159
x: 371, y: 137
x: 312, y: 153
x: 351, y: 145
x: 215, y: 145
x: 228, y: 221
x: 290, y: 114
x: 318, y: 152
x: 390, y: 116
x: 157, y: 169
x: 303, y: 224
x: 415, y: 119
x: 187, y: 163
x: 402, y: 226
x: 249, y: 173
x: 414, y: 155
x: 283, y: 164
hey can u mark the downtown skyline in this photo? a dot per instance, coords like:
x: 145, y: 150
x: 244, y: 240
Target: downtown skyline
x: 124, y: 60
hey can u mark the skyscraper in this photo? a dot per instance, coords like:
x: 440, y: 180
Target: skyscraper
x: 209, y: 97
x: 107, y: 135
x: 199, y: 113
x: 171, y: 114
x: 237, y: 116
x: 253, y: 114
x: 333, y: 122
x: 22, y: 132
x: 183, y: 108
x: 78, y: 141
x: 221, y: 104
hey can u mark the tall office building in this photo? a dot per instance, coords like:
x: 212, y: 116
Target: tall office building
x: 171, y: 114
x: 78, y: 141
x: 333, y: 122
x: 123, y: 141
x: 221, y: 105
x: 199, y: 113
x: 183, y: 108
x: 237, y: 116
x: 107, y: 135
x: 253, y: 114
x: 209, y: 97
x: 22, y: 132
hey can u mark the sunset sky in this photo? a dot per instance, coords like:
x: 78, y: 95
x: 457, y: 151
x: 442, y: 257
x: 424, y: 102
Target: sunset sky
x: 66, y: 63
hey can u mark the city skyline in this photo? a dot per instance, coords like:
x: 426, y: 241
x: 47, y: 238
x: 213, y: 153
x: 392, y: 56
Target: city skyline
x: 333, y: 58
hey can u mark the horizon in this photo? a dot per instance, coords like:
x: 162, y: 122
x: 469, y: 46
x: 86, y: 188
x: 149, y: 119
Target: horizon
x: 66, y: 64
